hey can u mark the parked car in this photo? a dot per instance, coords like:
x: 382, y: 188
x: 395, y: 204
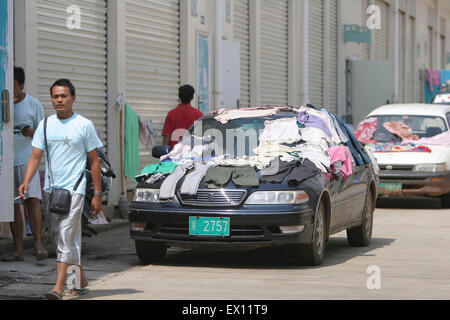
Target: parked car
x: 443, y: 95
x: 418, y: 165
x: 303, y: 215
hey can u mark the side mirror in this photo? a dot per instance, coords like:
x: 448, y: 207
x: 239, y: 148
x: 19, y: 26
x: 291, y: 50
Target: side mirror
x: 160, y: 151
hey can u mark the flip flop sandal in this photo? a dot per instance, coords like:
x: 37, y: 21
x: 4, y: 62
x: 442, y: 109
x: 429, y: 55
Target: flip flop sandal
x: 51, y: 295
x: 41, y: 255
x: 76, y: 292
x: 12, y: 258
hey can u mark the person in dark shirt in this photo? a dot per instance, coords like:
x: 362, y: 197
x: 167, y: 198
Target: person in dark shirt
x: 180, y: 119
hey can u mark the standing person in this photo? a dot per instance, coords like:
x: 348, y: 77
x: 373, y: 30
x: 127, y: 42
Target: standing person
x: 181, y: 118
x: 28, y: 112
x: 71, y: 140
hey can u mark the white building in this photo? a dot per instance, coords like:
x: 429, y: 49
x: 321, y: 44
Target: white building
x: 259, y: 52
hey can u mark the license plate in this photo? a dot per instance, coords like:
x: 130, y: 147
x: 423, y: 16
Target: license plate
x: 390, y: 187
x: 204, y: 226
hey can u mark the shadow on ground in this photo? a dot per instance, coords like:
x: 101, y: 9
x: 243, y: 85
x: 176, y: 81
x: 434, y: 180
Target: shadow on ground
x: 409, y: 203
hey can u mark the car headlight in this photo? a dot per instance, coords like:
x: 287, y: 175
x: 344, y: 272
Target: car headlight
x: 278, y: 197
x: 440, y: 167
x: 150, y: 195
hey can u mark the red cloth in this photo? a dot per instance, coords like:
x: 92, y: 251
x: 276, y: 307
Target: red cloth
x: 178, y: 121
x: 433, y: 78
x: 366, y: 129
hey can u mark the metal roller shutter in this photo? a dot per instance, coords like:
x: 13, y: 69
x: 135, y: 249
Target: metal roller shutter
x: 242, y: 34
x: 402, y: 57
x: 78, y: 55
x: 334, y: 56
x: 274, y: 52
x: 382, y: 36
x: 410, y: 70
x: 316, y: 51
x: 153, y: 62
x: 364, y: 47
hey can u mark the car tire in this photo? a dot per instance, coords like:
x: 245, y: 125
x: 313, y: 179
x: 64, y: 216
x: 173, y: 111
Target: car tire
x: 361, y: 235
x: 149, y: 252
x: 445, y: 201
x: 313, y: 254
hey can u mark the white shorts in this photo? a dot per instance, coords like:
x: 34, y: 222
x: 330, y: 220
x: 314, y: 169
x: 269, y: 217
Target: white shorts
x: 65, y: 230
x: 34, y: 188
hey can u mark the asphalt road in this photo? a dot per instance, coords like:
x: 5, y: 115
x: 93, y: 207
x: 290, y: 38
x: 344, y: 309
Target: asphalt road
x: 408, y: 259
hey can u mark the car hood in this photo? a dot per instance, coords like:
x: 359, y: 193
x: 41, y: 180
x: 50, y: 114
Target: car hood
x: 438, y: 154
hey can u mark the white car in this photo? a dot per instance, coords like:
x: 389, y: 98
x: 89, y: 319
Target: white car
x: 410, y: 167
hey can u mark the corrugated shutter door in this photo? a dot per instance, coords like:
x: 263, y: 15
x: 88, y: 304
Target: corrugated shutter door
x: 242, y: 34
x: 402, y: 57
x: 364, y: 47
x: 79, y: 55
x: 411, y: 69
x: 382, y: 36
x: 316, y: 51
x: 153, y: 62
x: 274, y: 52
x: 333, y: 59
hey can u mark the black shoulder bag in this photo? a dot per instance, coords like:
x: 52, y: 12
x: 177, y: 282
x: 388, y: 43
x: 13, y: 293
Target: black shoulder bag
x: 60, y: 199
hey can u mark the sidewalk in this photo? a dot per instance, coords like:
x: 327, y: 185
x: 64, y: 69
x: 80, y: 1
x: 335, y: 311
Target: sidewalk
x: 7, y: 245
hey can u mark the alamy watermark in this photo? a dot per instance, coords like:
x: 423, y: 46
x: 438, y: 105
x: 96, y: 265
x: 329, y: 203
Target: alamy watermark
x: 374, y: 280
x: 73, y: 22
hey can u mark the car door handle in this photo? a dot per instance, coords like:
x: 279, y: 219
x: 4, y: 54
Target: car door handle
x: 5, y: 106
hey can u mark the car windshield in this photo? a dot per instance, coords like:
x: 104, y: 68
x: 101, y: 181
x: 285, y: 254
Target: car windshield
x: 236, y: 138
x: 422, y: 126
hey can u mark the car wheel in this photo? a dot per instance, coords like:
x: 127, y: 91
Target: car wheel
x: 313, y: 254
x: 361, y: 235
x: 149, y: 252
x: 445, y: 201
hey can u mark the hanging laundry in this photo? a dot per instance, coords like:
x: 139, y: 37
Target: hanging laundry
x: 283, y: 130
x: 365, y: 130
x: 146, y: 132
x: 433, y: 78
x: 131, y: 142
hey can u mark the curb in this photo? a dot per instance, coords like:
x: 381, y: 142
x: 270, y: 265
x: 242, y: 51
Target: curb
x: 7, y: 245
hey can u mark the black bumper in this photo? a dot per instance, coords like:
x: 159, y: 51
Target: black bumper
x: 248, y: 226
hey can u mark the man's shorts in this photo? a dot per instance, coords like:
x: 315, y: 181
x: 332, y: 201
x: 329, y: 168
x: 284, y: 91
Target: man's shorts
x: 34, y: 188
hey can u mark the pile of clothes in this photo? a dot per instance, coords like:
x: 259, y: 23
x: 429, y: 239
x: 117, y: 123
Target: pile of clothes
x: 404, y: 139
x: 310, y: 143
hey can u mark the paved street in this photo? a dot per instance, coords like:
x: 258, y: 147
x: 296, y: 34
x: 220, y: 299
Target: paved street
x: 409, y: 252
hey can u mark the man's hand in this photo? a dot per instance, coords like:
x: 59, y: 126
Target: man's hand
x: 28, y: 132
x: 96, y: 205
x: 23, y: 191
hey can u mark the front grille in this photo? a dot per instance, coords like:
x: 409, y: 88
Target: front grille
x: 235, y: 231
x: 214, y: 198
x: 396, y: 167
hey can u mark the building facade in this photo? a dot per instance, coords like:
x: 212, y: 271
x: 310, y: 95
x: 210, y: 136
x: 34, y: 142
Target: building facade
x: 349, y: 56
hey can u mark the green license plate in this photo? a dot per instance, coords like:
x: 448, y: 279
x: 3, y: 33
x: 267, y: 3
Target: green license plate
x: 390, y: 187
x: 204, y: 226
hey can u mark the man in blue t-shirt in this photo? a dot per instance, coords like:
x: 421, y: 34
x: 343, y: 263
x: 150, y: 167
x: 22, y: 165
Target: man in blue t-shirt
x: 71, y: 140
x: 28, y: 112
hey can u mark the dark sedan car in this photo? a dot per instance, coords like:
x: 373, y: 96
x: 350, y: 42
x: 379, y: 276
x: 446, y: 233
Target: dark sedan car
x: 244, y: 213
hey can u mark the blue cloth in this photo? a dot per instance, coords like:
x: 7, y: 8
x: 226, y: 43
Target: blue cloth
x: 445, y: 75
x: 28, y: 112
x: 358, y: 154
x: 69, y: 142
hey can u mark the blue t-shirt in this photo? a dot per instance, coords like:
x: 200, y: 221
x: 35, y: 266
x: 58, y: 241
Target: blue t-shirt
x: 28, y: 112
x: 69, y: 142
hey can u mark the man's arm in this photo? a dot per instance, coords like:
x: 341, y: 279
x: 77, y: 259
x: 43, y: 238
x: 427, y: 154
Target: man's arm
x: 32, y: 167
x: 97, y: 202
